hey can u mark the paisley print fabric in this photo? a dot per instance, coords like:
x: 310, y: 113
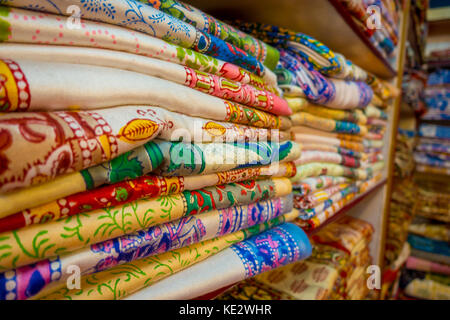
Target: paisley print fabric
x: 146, y: 186
x: 274, y: 248
x: 154, y: 240
x: 143, y: 18
x: 47, y: 28
x: 69, y: 233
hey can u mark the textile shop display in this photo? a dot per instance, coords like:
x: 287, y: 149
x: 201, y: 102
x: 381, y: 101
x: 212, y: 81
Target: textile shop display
x: 385, y: 38
x: 335, y: 120
x: 157, y: 138
x: 337, y: 264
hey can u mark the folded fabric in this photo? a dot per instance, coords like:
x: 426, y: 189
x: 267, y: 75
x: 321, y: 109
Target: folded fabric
x: 310, y: 49
x: 425, y: 285
x: 329, y: 157
x: 435, y: 231
x: 47, y: 29
x: 433, y: 147
x: 66, y: 141
x: 319, y: 132
x: 323, y: 168
x: 373, y: 112
x: 326, y: 124
x: 356, y: 116
x: 431, y: 159
x: 206, y: 23
x: 201, y: 81
x: 434, y: 131
x: 439, y: 77
x: 77, y: 86
x: 147, y: 186
x: 180, y: 157
x: 309, y: 185
x: 429, y: 245
x: 145, y: 243
x: 308, y: 213
x: 309, y: 138
x: 132, y: 276
x: 373, y: 143
x: 415, y: 263
x: 251, y: 289
x: 323, y: 216
x: 300, y: 279
x: 438, y: 258
x: 432, y: 169
x: 313, y: 199
x: 36, y: 242
x: 277, y: 247
x: 143, y: 18
x: 334, y: 149
x: 333, y: 93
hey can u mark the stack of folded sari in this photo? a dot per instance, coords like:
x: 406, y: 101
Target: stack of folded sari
x: 437, y: 96
x: 335, y: 270
x: 426, y: 274
x: 432, y: 153
x: 135, y: 143
x: 336, y: 119
x: 367, y: 13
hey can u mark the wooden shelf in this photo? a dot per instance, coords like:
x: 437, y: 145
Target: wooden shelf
x: 326, y: 20
x: 359, y: 198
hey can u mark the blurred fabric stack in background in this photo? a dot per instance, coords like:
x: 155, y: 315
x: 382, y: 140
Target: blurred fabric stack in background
x: 336, y: 119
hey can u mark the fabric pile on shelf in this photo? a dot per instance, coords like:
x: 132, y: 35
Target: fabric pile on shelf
x: 432, y: 153
x: 366, y: 14
x: 335, y: 270
x: 437, y: 96
x: 426, y: 274
x: 414, y: 82
x: 142, y: 141
x: 337, y: 121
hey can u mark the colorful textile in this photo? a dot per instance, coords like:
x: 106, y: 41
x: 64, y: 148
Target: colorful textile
x: 439, y: 77
x: 147, y: 186
x: 322, y: 168
x: 434, y: 131
x: 303, y: 280
x: 429, y: 245
x: 47, y: 28
x: 334, y: 93
x: 179, y: 157
x: 424, y: 285
x: 329, y: 157
x: 148, y: 242
x: 201, y: 81
x: 415, y: 263
x: 310, y: 49
x: 98, y: 87
x: 432, y: 159
x: 432, y: 230
x: 326, y: 124
x: 309, y: 138
x: 339, y: 195
x: 373, y: 112
x: 334, y: 149
x: 311, y: 200
x: 66, y: 141
x: 132, y: 276
x: 251, y: 289
x: 34, y: 243
x: 144, y: 18
x: 206, y: 23
x: 322, y: 133
x: 277, y: 247
x: 356, y: 116
x: 309, y: 185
